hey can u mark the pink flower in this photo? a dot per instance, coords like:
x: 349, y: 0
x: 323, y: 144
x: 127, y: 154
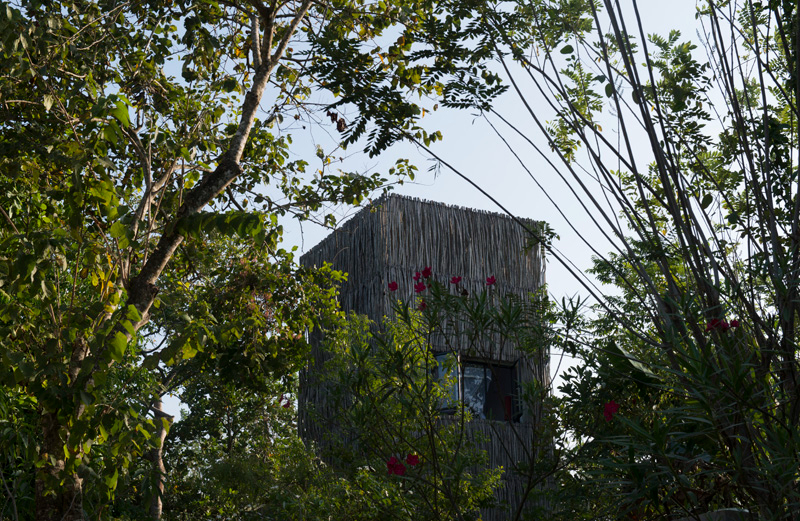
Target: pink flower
x: 427, y: 272
x: 393, y: 286
x: 455, y: 280
x: 422, y: 305
x: 394, y: 466
x: 419, y: 287
x: 610, y: 409
x: 412, y: 459
x: 734, y: 323
x: 490, y: 281
x: 417, y: 276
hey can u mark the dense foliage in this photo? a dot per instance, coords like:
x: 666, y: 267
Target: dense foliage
x: 389, y: 441
x: 684, y: 152
x: 147, y: 161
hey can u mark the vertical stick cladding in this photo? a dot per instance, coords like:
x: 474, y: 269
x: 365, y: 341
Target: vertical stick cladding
x: 398, y: 236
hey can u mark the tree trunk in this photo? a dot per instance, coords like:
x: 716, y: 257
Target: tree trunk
x: 157, y: 457
x: 67, y: 503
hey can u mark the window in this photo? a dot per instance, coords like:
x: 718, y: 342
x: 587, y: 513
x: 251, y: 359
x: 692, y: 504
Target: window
x: 487, y: 389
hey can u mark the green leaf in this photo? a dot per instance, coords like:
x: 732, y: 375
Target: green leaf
x: 117, y: 230
x: 707, y: 200
x: 27, y: 369
x: 189, y: 351
x: 86, y: 398
x: 230, y: 84
x: 117, y: 346
x: 111, y: 481
x: 133, y: 314
x: 128, y: 327
x: 120, y: 112
x: 609, y: 89
x: 111, y: 132
x: 567, y: 49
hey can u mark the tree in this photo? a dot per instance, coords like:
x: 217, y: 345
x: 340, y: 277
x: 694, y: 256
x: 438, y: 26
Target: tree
x: 389, y: 433
x: 686, y: 161
x: 121, y: 183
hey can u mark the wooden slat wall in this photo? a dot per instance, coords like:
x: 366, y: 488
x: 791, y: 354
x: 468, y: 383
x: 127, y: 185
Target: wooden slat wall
x: 398, y: 236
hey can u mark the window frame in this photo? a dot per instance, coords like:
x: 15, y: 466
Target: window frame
x: 510, y: 407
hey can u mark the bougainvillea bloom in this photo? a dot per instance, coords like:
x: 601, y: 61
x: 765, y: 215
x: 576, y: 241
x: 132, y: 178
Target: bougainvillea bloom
x: 734, y: 323
x: 490, y: 281
x: 427, y: 272
x: 610, y: 409
x: 417, y: 276
x: 419, y: 287
x: 455, y: 280
x: 412, y: 459
x: 394, y: 466
x: 393, y: 286
x: 422, y: 305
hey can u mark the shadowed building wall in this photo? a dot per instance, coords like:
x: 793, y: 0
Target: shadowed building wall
x: 397, y: 236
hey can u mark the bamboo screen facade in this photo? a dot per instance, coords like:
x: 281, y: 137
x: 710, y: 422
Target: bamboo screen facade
x: 396, y: 237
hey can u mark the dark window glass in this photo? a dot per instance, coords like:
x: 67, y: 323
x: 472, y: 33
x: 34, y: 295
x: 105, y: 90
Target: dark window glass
x: 487, y: 389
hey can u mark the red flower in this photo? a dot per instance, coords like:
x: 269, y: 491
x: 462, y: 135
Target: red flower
x: 427, y: 272
x: 419, y: 287
x: 490, y: 281
x: 393, y: 286
x: 394, y: 466
x: 422, y: 305
x: 734, y: 323
x: 718, y: 323
x: 412, y: 459
x: 417, y: 276
x: 455, y: 280
x: 610, y: 409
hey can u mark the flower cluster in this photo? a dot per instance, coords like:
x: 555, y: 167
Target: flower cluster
x: 395, y: 466
x: 426, y: 273
x: 610, y: 409
x: 721, y: 325
x: 421, y: 283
